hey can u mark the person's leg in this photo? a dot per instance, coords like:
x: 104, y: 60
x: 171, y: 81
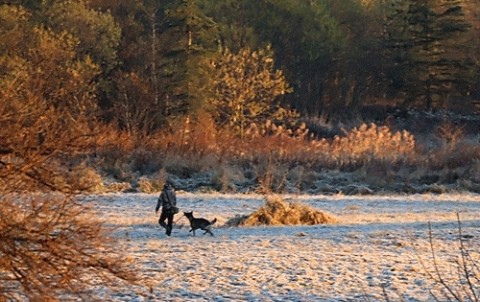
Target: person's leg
x: 169, y: 224
x: 162, y: 218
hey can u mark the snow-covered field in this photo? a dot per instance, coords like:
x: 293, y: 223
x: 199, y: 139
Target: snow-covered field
x: 373, y: 251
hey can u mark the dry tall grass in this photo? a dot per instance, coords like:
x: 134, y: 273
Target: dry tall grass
x: 194, y: 140
x: 373, y: 142
x: 268, y: 152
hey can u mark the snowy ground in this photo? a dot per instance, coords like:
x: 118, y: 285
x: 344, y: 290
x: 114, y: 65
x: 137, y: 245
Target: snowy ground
x: 376, y: 245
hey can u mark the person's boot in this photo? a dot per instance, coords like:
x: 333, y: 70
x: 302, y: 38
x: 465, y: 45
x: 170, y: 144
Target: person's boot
x: 169, y: 231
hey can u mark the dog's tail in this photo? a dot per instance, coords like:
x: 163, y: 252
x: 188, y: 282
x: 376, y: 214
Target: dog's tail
x: 214, y: 220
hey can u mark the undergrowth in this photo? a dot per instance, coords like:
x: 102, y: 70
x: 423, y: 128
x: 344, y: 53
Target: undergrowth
x: 264, y: 159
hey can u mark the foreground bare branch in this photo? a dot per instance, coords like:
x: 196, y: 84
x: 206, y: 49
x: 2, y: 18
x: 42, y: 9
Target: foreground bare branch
x: 51, y: 246
x: 465, y: 285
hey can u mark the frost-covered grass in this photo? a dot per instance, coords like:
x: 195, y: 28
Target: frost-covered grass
x: 374, y: 250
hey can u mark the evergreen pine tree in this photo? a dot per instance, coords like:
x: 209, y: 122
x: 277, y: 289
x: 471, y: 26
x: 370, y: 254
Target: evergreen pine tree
x: 190, y: 41
x: 426, y: 40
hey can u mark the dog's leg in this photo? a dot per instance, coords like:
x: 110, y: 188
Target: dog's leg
x: 208, y: 230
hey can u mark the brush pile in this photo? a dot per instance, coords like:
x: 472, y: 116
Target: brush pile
x: 276, y: 211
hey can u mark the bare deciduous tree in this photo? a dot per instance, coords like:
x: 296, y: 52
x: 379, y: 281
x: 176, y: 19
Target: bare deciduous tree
x: 51, y: 245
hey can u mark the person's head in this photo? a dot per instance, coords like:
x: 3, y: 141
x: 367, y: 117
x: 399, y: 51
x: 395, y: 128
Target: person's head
x: 167, y: 186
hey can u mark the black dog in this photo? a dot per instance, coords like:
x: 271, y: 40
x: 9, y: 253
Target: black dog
x: 199, y: 223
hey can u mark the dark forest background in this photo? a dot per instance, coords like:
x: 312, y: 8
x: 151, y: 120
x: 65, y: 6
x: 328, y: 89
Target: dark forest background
x: 144, y: 63
x: 237, y: 94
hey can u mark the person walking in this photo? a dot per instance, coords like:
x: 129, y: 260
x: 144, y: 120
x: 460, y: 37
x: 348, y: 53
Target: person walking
x: 168, y: 201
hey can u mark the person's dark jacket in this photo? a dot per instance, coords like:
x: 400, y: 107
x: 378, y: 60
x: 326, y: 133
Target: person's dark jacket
x: 167, y: 200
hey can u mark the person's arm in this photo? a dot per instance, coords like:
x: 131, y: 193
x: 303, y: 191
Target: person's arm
x: 159, y: 203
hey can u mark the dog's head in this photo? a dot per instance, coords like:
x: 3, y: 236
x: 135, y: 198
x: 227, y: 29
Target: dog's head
x: 188, y: 214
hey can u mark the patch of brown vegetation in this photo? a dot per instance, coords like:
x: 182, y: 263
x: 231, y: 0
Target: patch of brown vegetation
x: 276, y: 211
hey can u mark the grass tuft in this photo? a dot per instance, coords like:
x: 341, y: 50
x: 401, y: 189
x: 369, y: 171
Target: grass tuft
x: 276, y: 211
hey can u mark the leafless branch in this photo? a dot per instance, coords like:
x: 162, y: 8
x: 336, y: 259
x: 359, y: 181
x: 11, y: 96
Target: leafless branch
x: 467, y: 268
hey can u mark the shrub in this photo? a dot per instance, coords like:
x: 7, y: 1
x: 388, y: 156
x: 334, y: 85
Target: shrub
x: 450, y: 135
x: 144, y: 161
x: 246, y: 86
x: 145, y: 185
x: 271, y: 174
x: 84, y: 179
x: 372, y: 142
x: 118, y: 187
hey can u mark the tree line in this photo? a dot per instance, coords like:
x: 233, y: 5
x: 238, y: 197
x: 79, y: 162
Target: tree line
x: 142, y: 64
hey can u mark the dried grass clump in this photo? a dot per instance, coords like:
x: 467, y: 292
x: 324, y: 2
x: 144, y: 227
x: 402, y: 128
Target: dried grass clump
x: 146, y: 186
x: 118, y: 187
x: 81, y: 178
x: 278, y: 212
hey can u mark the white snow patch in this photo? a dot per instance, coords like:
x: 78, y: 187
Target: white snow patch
x: 377, y: 243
